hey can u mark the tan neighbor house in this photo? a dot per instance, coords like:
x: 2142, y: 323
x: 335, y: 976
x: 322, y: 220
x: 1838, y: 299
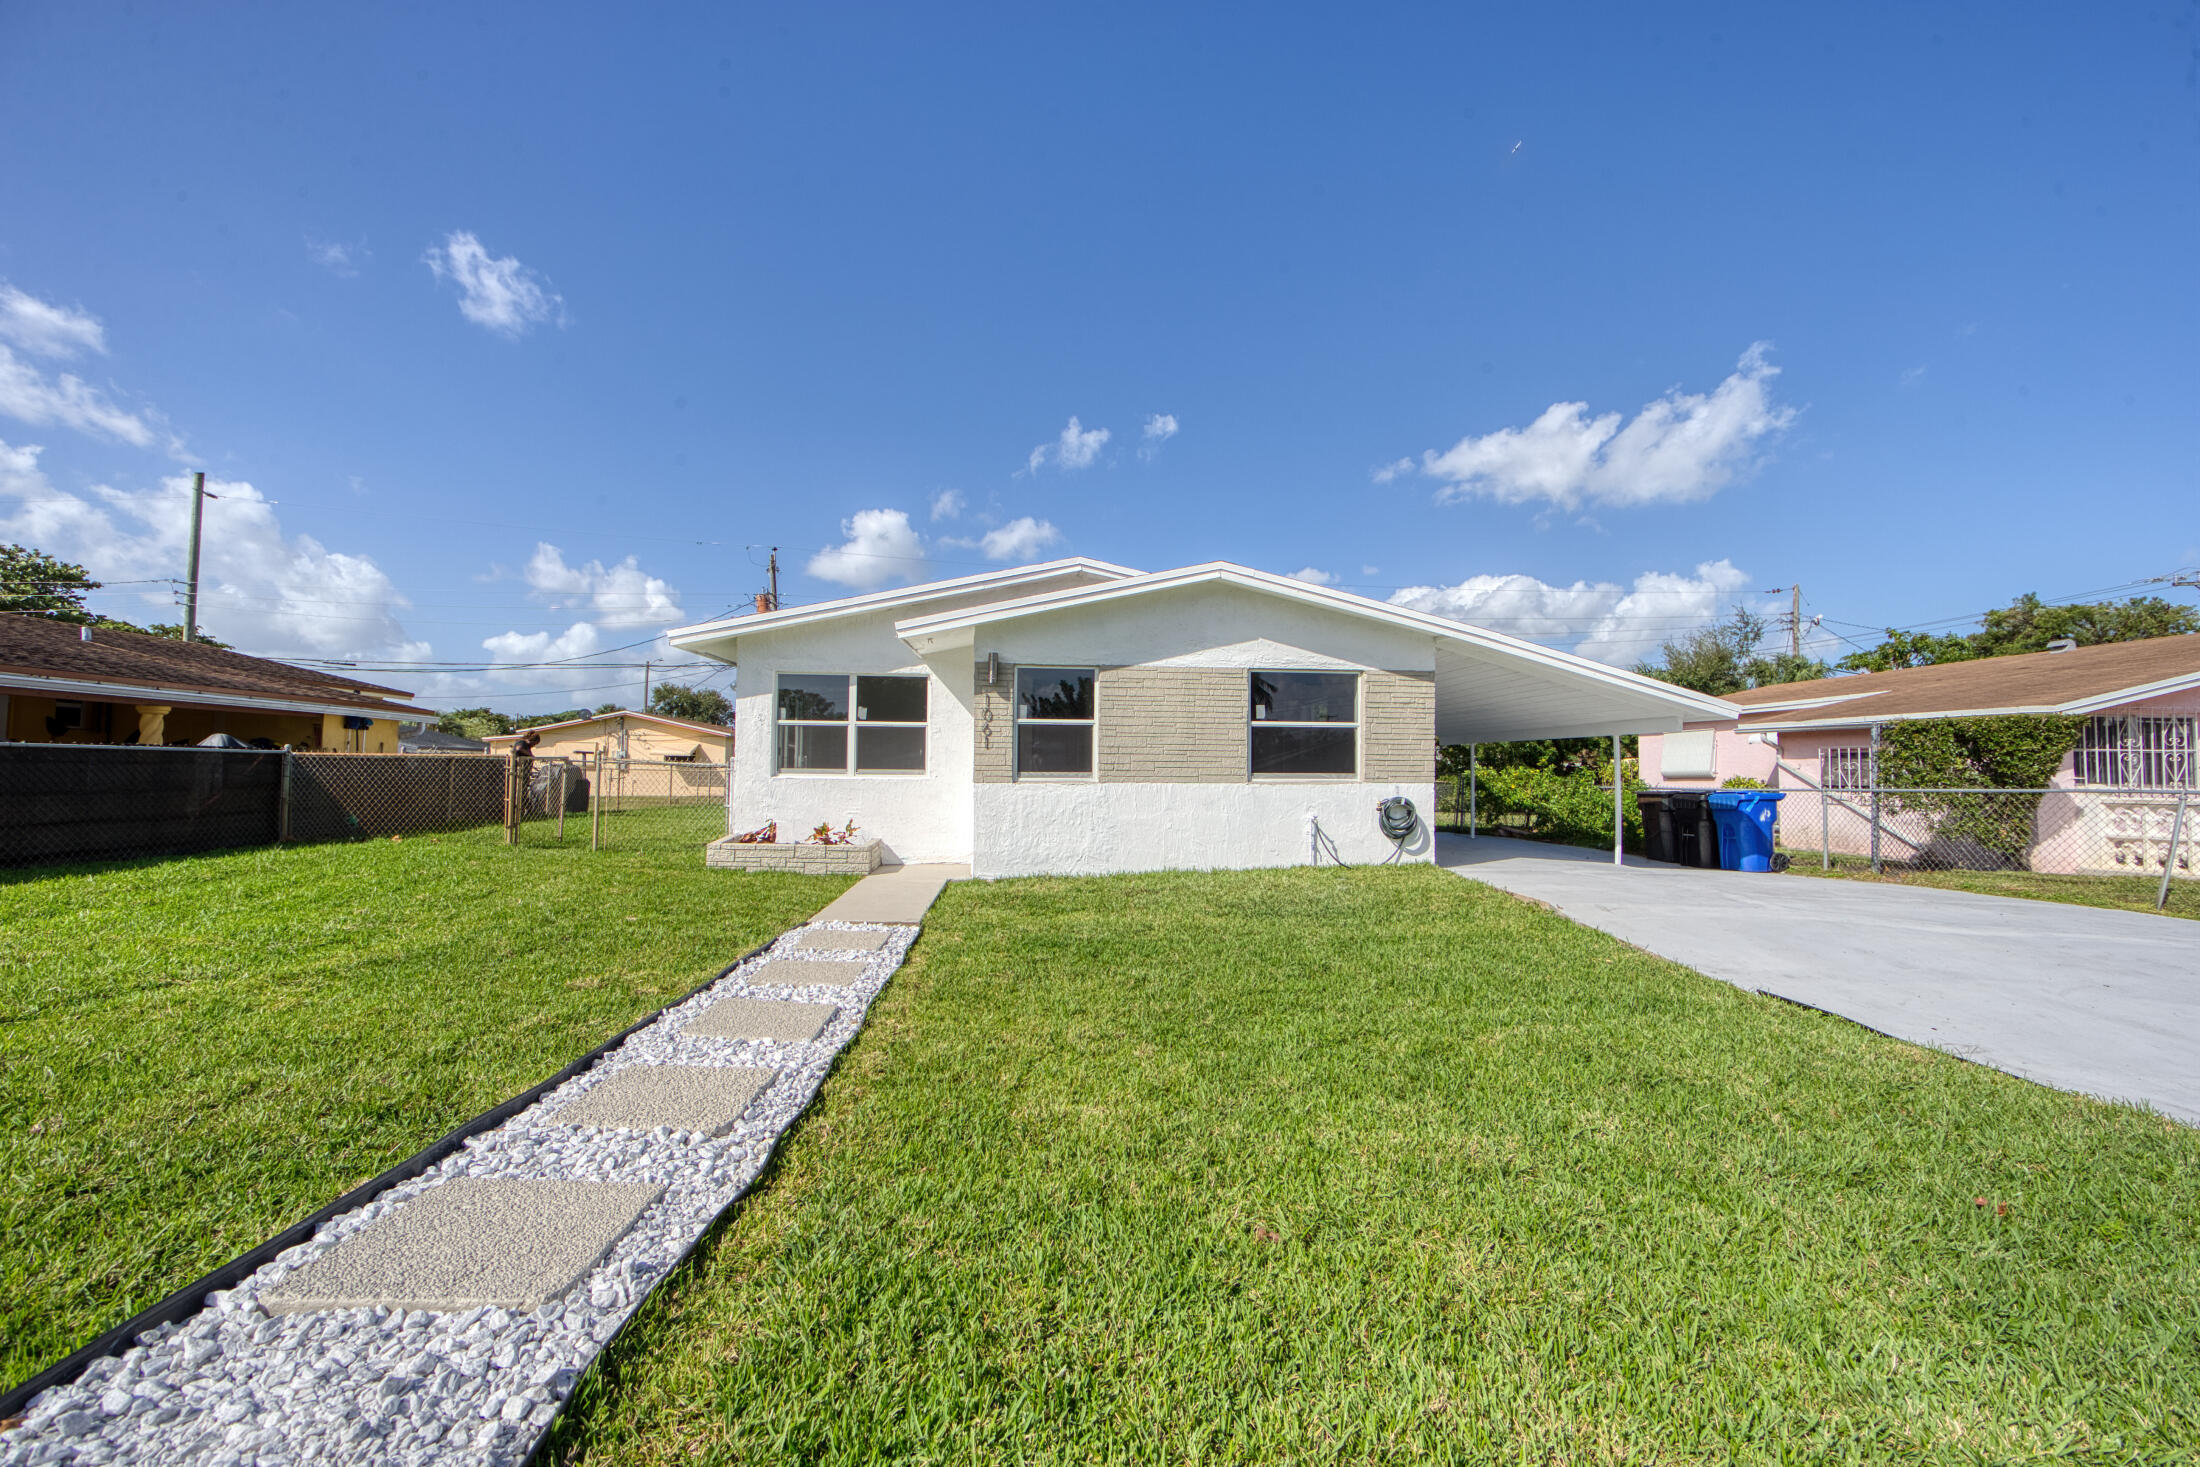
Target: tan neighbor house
x: 626, y: 735
x: 65, y: 684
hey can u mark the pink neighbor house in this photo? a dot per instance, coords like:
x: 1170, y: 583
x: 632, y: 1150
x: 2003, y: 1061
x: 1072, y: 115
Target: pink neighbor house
x: 2116, y: 793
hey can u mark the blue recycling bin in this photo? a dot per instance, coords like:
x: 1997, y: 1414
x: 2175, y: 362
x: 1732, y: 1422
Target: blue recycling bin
x: 1745, y: 819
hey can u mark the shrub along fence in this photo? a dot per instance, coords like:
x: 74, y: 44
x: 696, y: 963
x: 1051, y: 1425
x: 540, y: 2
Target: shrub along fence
x: 62, y: 803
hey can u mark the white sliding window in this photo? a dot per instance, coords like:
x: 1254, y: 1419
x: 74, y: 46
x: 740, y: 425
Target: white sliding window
x: 1054, y: 720
x: 1305, y: 723
x: 827, y: 719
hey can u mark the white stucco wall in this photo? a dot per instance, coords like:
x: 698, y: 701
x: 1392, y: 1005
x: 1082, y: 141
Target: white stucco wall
x: 1207, y: 626
x: 920, y: 817
x: 1071, y: 828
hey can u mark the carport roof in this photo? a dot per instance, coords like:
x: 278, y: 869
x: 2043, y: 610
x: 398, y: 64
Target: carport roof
x: 1490, y: 688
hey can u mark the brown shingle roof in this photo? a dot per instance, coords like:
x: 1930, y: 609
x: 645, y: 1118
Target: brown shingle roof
x: 40, y: 647
x: 2027, y: 681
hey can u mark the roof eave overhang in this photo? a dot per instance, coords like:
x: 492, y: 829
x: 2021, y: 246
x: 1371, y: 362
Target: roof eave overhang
x: 197, y: 698
x: 707, y: 637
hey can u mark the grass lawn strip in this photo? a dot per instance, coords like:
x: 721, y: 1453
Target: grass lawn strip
x: 453, y: 1326
x: 1360, y: 1165
x: 196, y: 1053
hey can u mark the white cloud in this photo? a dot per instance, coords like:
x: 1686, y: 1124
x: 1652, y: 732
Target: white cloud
x: 1680, y: 447
x: 66, y: 401
x: 260, y: 588
x: 1313, y: 576
x: 1371, y: 570
x: 947, y: 504
x: 623, y: 595
x: 499, y: 293
x: 578, y: 640
x: 1911, y: 376
x: 47, y: 330
x: 345, y: 260
x: 1076, y: 448
x: 881, y: 546
x: 1159, y: 429
x: 1393, y: 469
x: 1611, y: 623
x: 1019, y: 539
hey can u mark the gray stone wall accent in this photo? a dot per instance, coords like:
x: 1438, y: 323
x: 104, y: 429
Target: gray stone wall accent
x: 993, y: 726
x: 1398, y: 727
x: 1171, y: 725
x: 859, y: 859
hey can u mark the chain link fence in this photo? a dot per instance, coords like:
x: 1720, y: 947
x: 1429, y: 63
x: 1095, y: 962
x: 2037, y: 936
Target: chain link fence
x: 71, y: 803
x: 654, y: 804
x: 2136, y: 848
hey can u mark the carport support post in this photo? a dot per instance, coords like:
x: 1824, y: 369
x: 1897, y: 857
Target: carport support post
x: 1876, y: 868
x: 1619, y: 807
x: 1473, y: 790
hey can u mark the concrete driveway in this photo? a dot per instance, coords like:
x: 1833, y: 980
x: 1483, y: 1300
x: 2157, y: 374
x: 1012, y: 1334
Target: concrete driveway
x: 2106, y: 1003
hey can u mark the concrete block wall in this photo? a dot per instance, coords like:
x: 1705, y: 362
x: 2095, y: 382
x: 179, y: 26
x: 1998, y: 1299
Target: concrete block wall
x: 1398, y: 726
x: 1171, y: 725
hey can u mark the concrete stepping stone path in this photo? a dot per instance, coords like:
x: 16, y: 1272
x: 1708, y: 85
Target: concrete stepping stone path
x: 763, y: 1018
x: 447, y: 1320
x: 472, y: 1242
x: 706, y: 1099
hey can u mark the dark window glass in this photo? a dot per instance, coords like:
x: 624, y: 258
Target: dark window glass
x: 1303, y: 750
x: 1304, y: 697
x: 889, y: 748
x: 890, y: 699
x: 1064, y: 748
x: 813, y: 746
x: 1053, y: 692
x: 813, y: 697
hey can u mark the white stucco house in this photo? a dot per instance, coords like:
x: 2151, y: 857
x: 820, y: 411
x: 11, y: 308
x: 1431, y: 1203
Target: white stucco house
x: 1078, y: 717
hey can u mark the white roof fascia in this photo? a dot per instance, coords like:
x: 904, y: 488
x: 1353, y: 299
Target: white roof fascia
x: 2162, y: 687
x: 1866, y: 719
x: 688, y: 637
x: 925, y: 629
x: 1790, y: 705
x: 74, y: 688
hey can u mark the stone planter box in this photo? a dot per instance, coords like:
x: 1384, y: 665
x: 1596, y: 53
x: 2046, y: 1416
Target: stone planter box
x: 858, y: 859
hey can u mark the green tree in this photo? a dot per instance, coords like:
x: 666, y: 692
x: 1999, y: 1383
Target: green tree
x: 537, y: 720
x: 1726, y: 657
x: 696, y: 705
x: 2028, y: 625
x: 33, y: 581
x: 474, y: 723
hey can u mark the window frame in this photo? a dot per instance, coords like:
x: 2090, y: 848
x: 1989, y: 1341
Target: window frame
x: 1356, y: 724
x: 1016, y: 722
x: 852, y: 721
x: 1845, y: 768
x: 2137, y: 751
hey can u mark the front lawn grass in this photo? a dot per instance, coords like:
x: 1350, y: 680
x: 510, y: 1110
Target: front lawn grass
x: 196, y: 1053
x: 1386, y: 1165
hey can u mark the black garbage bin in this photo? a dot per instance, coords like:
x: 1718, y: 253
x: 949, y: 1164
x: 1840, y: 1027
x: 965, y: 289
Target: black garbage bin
x: 1695, y: 834
x: 1657, y: 825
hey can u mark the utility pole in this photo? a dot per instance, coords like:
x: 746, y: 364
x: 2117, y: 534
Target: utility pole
x: 191, y: 587
x: 1795, y: 621
x: 645, y: 688
x: 775, y: 576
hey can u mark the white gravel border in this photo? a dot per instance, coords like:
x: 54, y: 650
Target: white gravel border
x: 234, y: 1386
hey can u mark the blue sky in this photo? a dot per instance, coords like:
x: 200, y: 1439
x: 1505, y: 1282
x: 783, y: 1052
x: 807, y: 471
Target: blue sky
x: 506, y: 332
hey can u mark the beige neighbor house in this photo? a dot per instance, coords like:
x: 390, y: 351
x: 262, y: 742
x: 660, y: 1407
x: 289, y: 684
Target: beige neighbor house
x: 2115, y: 797
x: 1080, y: 717
x: 636, y: 755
